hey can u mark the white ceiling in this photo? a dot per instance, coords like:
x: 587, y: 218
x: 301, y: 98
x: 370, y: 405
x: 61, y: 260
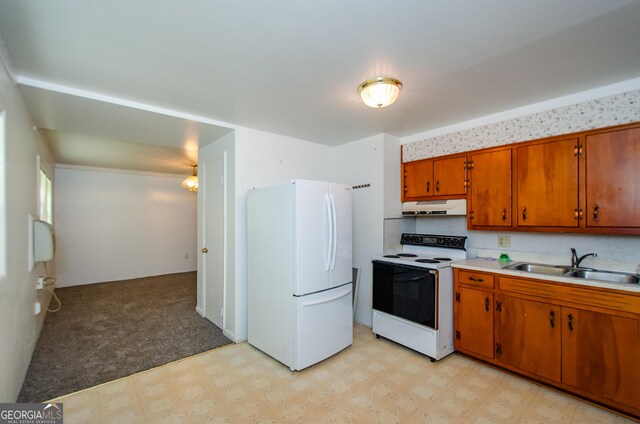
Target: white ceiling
x: 292, y: 67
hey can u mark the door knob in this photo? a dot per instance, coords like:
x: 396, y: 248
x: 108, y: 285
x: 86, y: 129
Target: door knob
x: 204, y: 250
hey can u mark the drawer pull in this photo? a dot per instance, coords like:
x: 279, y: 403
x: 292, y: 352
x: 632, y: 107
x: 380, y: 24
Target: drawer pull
x: 479, y: 280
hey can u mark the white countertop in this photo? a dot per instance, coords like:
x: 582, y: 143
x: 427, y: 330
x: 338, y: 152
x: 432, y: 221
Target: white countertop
x: 495, y: 266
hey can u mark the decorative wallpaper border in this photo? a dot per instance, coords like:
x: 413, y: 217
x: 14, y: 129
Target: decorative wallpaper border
x: 613, y: 110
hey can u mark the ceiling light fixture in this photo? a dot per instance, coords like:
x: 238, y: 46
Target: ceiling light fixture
x: 379, y: 92
x: 191, y: 183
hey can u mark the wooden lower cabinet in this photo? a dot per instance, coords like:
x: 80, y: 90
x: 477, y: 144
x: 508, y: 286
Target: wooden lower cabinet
x: 474, y: 323
x: 601, y: 354
x: 530, y: 336
x: 580, y: 339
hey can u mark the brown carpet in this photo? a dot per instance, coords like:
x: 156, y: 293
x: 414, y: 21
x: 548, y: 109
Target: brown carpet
x: 110, y: 330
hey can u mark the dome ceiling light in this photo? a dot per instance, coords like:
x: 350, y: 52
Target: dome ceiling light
x: 379, y: 92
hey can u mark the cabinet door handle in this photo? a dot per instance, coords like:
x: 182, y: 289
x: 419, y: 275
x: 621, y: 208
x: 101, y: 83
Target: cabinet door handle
x: 570, y: 322
x: 552, y: 319
x: 428, y: 186
x: 596, y: 211
x: 486, y: 304
x: 438, y: 185
x: 504, y: 214
x: 524, y: 213
x: 480, y: 280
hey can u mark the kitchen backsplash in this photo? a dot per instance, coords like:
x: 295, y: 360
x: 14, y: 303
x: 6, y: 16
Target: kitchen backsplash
x: 604, y: 112
x: 614, y: 252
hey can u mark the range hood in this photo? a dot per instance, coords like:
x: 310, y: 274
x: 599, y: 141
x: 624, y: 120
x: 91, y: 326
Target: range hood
x: 435, y: 207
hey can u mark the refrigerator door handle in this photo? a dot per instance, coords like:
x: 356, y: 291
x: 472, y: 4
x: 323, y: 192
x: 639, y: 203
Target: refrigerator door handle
x: 329, y: 235
x: 345, y: 292
x: 334, y: 236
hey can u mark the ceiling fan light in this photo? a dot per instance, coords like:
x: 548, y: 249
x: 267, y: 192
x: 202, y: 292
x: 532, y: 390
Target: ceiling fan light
x: 191, y: 183
x: 380, y: 92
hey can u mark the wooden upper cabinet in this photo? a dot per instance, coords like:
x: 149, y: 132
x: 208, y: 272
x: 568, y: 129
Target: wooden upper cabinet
x: 449, y: 176
x: 548, y: 184
x: 424, y: 179
x: 600, y: 355
x: 489, y: 193
x: 530, y: 336
x: 613, y: 179
x: 417, y: 179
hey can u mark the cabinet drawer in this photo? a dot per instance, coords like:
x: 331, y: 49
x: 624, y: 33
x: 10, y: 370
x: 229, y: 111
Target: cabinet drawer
x: 475, y: 278
x: 574, y: 295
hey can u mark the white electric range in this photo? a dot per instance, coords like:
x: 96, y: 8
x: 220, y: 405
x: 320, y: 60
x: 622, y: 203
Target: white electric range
x: 413, y: 293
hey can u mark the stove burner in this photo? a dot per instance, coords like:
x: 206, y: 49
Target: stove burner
x: 391, y: 256
x: 427, y: 261
x: 443, y: 259
x: 406, y: 255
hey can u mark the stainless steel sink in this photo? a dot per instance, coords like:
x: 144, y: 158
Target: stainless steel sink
x: 539, y: 268
x: 608, y: 276
x: 583, y: 273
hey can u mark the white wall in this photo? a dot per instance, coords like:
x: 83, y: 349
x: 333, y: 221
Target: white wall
x: 392, y: 184
x: 115, y: 225
x: 19, y: 326
x: 264, y: 159
x: 362, y: 162
x: 375, y: 161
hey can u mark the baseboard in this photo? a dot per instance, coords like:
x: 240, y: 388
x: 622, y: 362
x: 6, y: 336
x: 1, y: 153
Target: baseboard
x: 362, y: 323
x: 200, y: 311
x: 231, y: 336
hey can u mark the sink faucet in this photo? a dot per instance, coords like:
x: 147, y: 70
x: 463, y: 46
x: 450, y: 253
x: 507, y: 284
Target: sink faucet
x: 576, y: 261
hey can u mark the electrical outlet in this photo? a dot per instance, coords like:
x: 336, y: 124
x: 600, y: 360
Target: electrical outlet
x: 504, y: 241
x: 37, y: 308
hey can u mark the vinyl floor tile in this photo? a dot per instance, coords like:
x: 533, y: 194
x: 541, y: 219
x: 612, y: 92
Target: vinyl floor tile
x: 373, y: 381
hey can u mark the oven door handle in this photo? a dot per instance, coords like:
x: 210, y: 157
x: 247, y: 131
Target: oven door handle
x: 409, y: 280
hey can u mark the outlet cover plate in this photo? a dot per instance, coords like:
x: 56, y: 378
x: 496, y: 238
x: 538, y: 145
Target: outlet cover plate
x: 504, y: 241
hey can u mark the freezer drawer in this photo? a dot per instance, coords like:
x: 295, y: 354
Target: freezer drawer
x: 323, y: 325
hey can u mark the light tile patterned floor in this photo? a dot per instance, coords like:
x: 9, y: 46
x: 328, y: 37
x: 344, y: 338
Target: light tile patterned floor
x: 373, y: 381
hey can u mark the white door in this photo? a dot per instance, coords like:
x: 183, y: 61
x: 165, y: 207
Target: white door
x: 312, y: 240
x: 212, y: 175
x: 342, y: 260
x: 323, y: 325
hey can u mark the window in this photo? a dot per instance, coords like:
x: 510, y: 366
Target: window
x: 46, y: 198
x: 3, y: 200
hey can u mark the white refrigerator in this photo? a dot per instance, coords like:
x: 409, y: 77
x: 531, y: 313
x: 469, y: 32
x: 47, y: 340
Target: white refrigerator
x: 299, y: 248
